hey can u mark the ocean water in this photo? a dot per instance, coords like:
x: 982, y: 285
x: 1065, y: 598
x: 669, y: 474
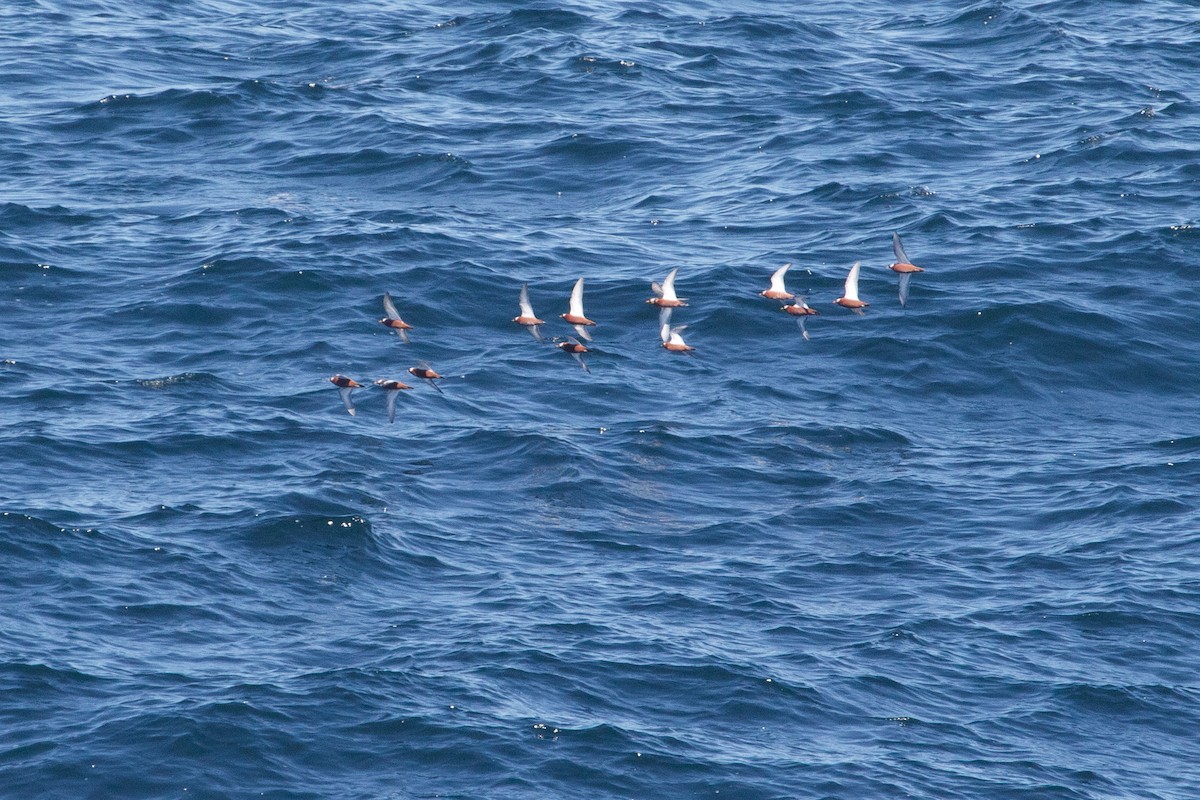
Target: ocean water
x: 945, y: 550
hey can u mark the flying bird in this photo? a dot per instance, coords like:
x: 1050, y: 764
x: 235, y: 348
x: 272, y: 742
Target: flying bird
x: 665, y: 298
x: 527, y: 318
x: 392, y: 320
x: 423, y: 370
x: 345, y: 387
x: 850, y: 298
x: 665, y: 292
x: 800, y: 310
x: 903, y: 266
x: 575, y: 315
x: 778, y: 291
x: 392, y: 388
x: 672, y: 341
x: 572, y: 346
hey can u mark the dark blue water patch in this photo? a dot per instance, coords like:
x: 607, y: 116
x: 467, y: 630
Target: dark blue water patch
x: 1116, y: 149
x: 203, y: 295
x: 310, y: 530
x: 186, y: 381
x: 543, y: 20
x: 770, y: 29
x: 589, y: 64
x: 17, y: 216
x: 986, y: 25
x: 1123, y: 505
x: 180, y: 101
x: 597, y: 158
x: 169, y: 118
x: 48, y: 691
x: 26, y: 536
x: 426, y: 169
x: 586, y: 149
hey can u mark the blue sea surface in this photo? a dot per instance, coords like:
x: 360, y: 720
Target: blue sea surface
x: 943, y: 550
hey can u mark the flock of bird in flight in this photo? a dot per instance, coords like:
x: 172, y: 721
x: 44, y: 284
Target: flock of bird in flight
x: 664, y: 297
